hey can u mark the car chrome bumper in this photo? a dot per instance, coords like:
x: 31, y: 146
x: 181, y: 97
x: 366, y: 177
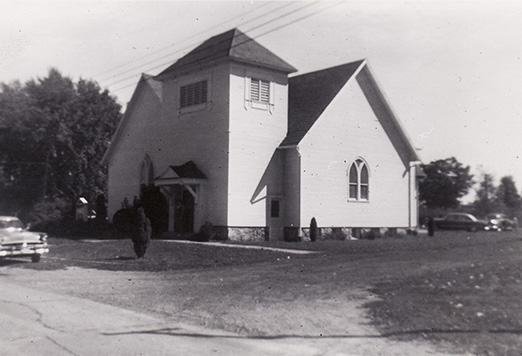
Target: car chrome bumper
x: 6, y: 251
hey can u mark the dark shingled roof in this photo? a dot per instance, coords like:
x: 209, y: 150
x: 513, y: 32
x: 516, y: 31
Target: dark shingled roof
x: 188, y: 170
x: 232, y: 44
x: 309, y: 95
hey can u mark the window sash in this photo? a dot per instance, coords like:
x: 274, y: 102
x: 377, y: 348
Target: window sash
x: 353, y: 191
x: 364, y: 192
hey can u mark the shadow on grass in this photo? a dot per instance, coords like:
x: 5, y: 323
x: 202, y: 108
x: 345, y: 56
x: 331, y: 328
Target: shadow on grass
x: 12, y: 261
x: 176, y: 332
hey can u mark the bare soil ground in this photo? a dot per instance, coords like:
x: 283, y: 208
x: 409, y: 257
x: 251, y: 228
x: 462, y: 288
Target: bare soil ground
x: 458, y: 290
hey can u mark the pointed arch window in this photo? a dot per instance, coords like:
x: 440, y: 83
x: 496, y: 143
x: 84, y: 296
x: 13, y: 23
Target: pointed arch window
x: 358, y: 181
x: 147, y: 172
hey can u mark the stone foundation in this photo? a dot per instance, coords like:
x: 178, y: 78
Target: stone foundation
x: 240, y: 234
x: 355, y: 233
x: 292, y: 234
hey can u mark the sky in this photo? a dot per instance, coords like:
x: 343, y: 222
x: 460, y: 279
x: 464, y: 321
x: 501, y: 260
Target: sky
x: 451, y: 70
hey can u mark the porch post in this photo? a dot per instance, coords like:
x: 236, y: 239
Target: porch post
x: 171, y: 213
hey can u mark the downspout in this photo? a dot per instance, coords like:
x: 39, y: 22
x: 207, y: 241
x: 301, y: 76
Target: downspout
x: 413, y: 201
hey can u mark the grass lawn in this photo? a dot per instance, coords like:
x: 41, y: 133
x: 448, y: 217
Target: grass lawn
x: 457, y: 287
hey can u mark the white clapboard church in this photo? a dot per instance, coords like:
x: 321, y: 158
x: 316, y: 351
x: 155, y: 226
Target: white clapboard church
x: 229, y: 137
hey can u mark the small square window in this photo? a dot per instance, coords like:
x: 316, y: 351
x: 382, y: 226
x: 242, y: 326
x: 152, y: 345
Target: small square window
x: 259, y: 90
x: 274, y: 208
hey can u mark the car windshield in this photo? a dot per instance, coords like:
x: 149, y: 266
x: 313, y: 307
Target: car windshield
x: 10, y: 224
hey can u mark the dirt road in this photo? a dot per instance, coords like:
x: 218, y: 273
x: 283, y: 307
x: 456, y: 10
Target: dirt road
x: 85, y: 311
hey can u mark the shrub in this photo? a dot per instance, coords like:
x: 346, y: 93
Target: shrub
x: 124, y: 220
x: 156, y: 208
x: 48, y: 212
x: 371, y: 234
x: 101, y: 208
x: 205, y: 233
x: 313, y: 230
x: 142, y: 233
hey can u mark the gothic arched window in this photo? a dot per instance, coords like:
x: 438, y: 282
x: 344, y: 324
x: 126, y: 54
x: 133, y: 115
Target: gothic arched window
x: 358, y: 181
x: 147, y: 172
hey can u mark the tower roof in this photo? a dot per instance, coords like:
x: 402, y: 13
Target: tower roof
x: 234, y: 45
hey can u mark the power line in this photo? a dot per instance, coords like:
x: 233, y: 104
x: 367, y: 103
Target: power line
x: 179, y: 42
x: 251, y: 39
x: 251, y: 29
x: 168, y: 55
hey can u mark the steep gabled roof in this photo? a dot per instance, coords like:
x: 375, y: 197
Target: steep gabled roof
x: 188, y: 170
x: 186, y: 173
x: 310, y: 94
x: 234, y: 45
x: 146, y: 82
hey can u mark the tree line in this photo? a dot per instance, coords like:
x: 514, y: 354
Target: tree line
x: 447, y: 181
x: 53, y: 135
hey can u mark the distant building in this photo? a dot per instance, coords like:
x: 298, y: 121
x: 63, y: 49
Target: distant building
x: 230, y: 139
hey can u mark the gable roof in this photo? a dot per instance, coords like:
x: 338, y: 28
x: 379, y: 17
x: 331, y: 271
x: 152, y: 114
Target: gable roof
x: 146, y: 82
x: 310, y: 94
x: 386, y: 116
x: 188, y: 171
x: 232, y: 44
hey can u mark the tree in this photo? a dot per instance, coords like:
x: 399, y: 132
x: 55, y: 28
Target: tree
x: 142, y: 233
x: 54, y: 134
x: 447, y: 180
x: 101, y: 208
x: 507, y: 194
x: 486, y: 200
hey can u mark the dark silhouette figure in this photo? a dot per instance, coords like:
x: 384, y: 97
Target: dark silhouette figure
x: 313, y: 230
x: 141, y: 236
x: 431, y: 226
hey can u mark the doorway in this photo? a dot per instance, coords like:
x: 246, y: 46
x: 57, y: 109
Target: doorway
x: 184, y: 211
x: 276, y: 221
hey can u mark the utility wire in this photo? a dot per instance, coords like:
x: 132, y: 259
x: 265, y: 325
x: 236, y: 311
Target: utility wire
x: 251, y: 29
x: 251, y: 39
x: 179, y: 42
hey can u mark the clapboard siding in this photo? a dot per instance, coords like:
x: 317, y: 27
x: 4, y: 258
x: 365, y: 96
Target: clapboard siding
x: 254, y: 137
x: 346, y: 130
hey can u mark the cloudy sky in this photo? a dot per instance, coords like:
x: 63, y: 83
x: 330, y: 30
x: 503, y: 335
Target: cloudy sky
x: 452, y: 70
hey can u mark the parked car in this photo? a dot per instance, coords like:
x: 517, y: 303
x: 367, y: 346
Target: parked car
x: 15, y: 240
x: 499, y: 222
x: 460, y: 221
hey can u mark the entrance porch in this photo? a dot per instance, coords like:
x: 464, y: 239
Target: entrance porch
x: 182, y: 186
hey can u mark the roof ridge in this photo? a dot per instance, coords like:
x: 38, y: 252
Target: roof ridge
x: 358, y: 62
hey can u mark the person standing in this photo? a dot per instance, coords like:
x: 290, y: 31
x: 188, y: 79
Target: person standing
x: 431, y: 226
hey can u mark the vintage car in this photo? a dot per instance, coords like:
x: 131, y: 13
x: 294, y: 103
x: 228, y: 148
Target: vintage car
x: 17, y: 241
x: 499, y: 222
x: 460, y: 221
